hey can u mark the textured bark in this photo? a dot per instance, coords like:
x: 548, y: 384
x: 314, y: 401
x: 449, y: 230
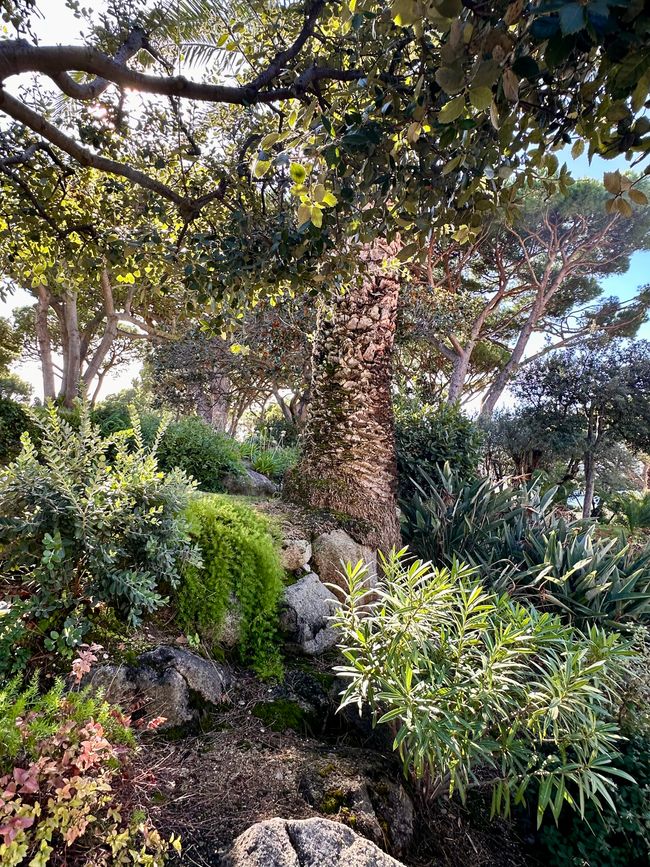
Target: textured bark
x: 44, y: 343
x: 348, y: 465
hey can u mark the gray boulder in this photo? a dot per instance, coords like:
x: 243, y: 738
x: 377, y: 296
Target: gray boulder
x: 164, y: 682
x: 331, y: 551
x: 295, y: 554
x: 305, y: 843
x: 250, y: 484
x: 304, y: 615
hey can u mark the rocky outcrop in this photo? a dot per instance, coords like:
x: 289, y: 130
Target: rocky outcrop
x: 305, y: 843
x: 167, y: 683
x: 331, y: 551
x: 250, y: 483
x: 305, y: 610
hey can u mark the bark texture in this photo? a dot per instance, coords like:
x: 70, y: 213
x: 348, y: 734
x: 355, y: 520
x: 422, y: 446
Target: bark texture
x: 348, y: 465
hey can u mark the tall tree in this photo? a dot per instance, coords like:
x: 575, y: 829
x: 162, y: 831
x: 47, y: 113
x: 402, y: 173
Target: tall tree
x: 384, y: 118
x: 604, y: 389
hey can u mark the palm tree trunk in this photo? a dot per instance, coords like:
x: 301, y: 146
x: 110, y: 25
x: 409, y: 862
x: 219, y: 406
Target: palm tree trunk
x: 348, y: 465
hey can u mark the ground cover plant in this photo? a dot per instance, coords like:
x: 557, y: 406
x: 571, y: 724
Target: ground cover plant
x: 85, y: 521
x: 482, y: 691
x: 63, y: 799
x: 240, y: 573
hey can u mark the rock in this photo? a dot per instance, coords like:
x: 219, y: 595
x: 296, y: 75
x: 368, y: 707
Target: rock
x: 300, y: 703
x: 359, y: 789
x: 295, y: 554
x: 304, y: 614
x: 305, y: 843
x: 164, y: 682
x: 249, y: 483
x: 331, y: 551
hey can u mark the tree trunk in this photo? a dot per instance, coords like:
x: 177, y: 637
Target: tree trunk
x: 71, y: 351
x: 348, y: 465
x: 510, y: 368
x: 590, y: 484
x: 44, y: 343
x: 459, y: 375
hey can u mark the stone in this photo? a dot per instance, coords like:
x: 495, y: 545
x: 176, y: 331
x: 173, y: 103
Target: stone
x: 250, y: 484
x: 331, y: 551
x: 305, y: 843
x: 360, y: 788
x: 164, y: 682
x: 305, y: 610
x: 295, y: 554
x: 300, y: 703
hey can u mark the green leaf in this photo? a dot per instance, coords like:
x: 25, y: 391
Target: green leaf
x: 298, y: 173
x: 452, y: 110
x: 480, y: 97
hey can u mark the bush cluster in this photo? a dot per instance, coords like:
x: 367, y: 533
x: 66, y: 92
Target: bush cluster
x: 86, y: 521
x: 240, y: 572
x: 62, y: 757
x: 428, y: 437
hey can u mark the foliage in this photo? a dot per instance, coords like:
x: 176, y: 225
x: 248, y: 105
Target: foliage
x: 14, y: 421
x: 272, y: 425
x: 62, y: 794
x: 79, y: 530
x: 482, y: 691
x: 616, y: 838
x: 201, y: 452
x: 269, y: 457
x: 428, y: 437
x: 241, y: 570
x: 522, y: 545
x: 632, y: 509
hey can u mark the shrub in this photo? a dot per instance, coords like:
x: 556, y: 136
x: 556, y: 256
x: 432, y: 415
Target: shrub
x: 616, y: 838
x: 632, y: 509
x: 521, y: 544
x: 14, y: 421
x: 241, y: 569
x: 428, y: 437
x: 62, y: 798
x: 480, y: 690
x: 204, y: 454
x: 268, y: 457
x: 77, y: 531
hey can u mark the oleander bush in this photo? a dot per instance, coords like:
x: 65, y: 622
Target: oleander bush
x: 240, y: 572
x: 85, y: 521
x: 482, y: 691
x: 63, y: 796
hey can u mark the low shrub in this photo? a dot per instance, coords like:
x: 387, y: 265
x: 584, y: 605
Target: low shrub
x: 482, y: 691
x: 241, y: 570
x: 63, y: 799
x: 428, y: 437
x: 618, y: 837
x: 14, y: 421
x: 204, y: 454
x: 269, y: 457
x: 78, y: 531
x: 632, y: 510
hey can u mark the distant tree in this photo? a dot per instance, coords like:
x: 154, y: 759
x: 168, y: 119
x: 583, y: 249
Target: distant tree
x: 605, y: 389
x: 482, y: 301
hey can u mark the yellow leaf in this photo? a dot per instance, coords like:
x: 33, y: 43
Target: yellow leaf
x: 304, y: 214
x: 413, y: 132
x: 319, y: 192
x: 624, y: 207
x: 510, y: 85
x: 612, y: 181
x: 317, y: 216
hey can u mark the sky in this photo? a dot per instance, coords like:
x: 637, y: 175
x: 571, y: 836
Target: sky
x: 58, y: 25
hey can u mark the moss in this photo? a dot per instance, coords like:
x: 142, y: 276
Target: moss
x: 282, y: 714
x: 327, y: 770
x: 333, y: 801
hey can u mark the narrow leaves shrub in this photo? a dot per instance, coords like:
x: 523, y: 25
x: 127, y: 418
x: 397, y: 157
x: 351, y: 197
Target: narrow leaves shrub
x: 241, y: 571
x: 481, y: 691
